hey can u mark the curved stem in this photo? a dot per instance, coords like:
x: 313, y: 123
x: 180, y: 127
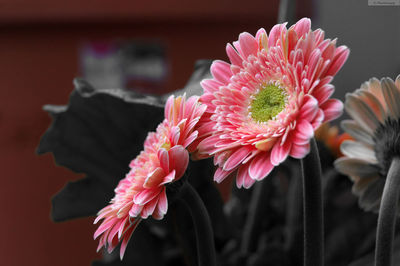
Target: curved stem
x: 254, y: 216
x: 387, y: 216
x: 204, y: 234
x: 313, y: 208
x: 294, y: 217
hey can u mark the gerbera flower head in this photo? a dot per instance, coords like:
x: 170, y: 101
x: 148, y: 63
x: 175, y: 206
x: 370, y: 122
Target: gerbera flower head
x: 142, y: 193
x: 375, y: 109
x: 266, y: 103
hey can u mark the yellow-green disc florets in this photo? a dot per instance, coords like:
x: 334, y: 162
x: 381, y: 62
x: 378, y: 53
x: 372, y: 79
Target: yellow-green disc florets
x: 269, y: 102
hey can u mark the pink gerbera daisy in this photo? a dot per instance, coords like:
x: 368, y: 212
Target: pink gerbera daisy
x: 142, y: 193
x: 266, y: 103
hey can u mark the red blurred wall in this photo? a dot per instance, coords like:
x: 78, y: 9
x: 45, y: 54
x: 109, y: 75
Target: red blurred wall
x: 39, y: 45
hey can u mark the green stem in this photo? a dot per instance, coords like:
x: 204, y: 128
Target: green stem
x: 204, y: 234
x: 313, y: 208
x: 387, y: 216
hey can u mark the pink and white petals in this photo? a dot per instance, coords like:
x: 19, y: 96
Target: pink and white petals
x: 297, y: 60
x: 178, y: 160
x: 142, y: 193
x: 260, y: 166
x: 332, y: 109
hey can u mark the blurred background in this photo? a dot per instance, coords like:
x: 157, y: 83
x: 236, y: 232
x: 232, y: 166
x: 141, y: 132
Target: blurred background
x: 141, y: 45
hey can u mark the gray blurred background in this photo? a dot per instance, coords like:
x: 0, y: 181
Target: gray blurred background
x: 371, y: 32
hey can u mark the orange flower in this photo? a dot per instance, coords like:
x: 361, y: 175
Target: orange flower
x: 329, y: 135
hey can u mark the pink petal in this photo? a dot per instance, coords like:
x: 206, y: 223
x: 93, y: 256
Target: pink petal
x: 243, y: 178
x: 299, y: 139
x: 221, y: 71
x: 302, y: 27
x: 237, y: 157
x: 115, y: 230
x: 190, y: 139
x: 135, y: 210
x: 123, y: 227
x: 322, y: 93
x: 168, y: 107
x: 112, y: 245
x: 319, y: 118
x: 168, y: 178
x: 332, y: 108
x: 291, y: 42
x: 299, y: 151
x: 191, y: 107
x: 304, y: 130
x: 221, y: 157
x: 328, y: 50
x: 102, y: 243
x: 175, y: 135
x: 102, y: 213
x: 259, y: 33
x: 266, y: 144
x: 208, y: 144
x: 210, y: 86
x: 248, y: 181
x: 127, y: 237
x: 241, y: 173
x: 163, y: 157
x: 234, y: 57
x: 342, y: 53
x: 178, y: 160
x: 163, y: 202
x: 319, y: 35
x: 162, y: 207
x: 205, y: 128
x: 280, y: 152
x: 248, y: 45
x: 313, y: 63
x: 260, y: 166
x: 275, y: 34
x: 146, y: 195
x: 220, y: 174
x: 106, y: 225
x: 154, y: 178
x: 309, y: 109
x: 157, y: 214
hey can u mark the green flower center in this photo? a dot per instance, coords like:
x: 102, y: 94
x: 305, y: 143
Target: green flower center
x: 166, y: 146
x: 269, y: 102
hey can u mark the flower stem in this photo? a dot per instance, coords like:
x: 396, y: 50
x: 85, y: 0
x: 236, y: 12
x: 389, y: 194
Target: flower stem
x: 313, y: 208
x: 254, y: 216
x: 387, y: 216
x: 204, y: 234
x: 294, y: 216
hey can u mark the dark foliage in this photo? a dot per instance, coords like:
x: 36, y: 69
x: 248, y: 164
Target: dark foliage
x: 97, y: 134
